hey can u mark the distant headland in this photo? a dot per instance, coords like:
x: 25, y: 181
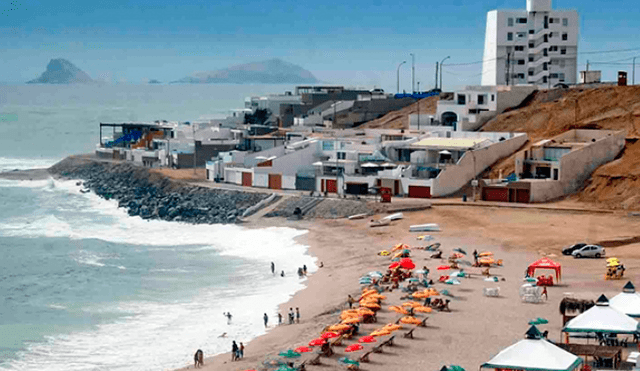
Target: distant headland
x: 61, y: 71
x: 273, y: 71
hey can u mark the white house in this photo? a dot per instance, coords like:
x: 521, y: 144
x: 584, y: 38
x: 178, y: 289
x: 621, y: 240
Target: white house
x: 475, y: 105
x: 537, y: 46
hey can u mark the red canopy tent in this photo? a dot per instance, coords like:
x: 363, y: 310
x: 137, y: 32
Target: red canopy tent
x: 545, y: 263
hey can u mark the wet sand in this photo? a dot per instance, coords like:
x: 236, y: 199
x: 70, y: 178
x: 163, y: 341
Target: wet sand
x: 478, y: 327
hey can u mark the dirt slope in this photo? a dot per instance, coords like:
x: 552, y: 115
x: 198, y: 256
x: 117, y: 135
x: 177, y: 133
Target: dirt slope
x: 615, y: 185
x: 399, y: 119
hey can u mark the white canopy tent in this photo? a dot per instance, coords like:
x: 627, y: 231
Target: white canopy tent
x: 534, y: 354
x: 628, y: 301
x: 602, y: 318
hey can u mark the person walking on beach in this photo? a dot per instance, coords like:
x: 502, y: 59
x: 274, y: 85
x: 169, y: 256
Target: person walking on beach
x: 291, y: 316
x: 545, y: 293
x: 304, y: 269
x: 241, y: 350
x: 228, y: 315
x: 297, y: 315
x: 266, y: 320
x: 234, y: 351
x: 279, y: 318
x: 198, y: 358
x: 273, y: 268
x: 350, y: 301
x: 475, y: 256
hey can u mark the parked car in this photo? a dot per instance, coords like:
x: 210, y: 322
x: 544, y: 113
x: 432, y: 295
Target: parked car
x: 569, y: 250
x: 589, y: 251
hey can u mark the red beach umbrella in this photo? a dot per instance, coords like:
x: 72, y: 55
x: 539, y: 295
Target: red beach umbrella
x: 353, y: 348
x: 367, y: 339
x: 443, y: 267
x: 394, y: 265
x: 302, y: 349
x: 317, y: 342
x: 329, y: 335
x: 407, y: 264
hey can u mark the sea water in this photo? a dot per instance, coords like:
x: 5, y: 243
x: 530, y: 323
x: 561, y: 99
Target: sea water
x: 83, y: 286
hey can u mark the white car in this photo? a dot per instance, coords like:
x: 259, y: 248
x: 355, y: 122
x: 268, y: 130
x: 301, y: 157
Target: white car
x: 589, y: 251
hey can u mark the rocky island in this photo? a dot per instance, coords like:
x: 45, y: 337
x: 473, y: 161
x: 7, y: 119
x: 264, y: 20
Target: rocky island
x: 61, y: 71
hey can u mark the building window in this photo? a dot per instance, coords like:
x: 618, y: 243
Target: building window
x: 565, y: 37
x: 553, y: 48
x: 509, y: 22
x: 530, y: 72
x: 521, y: 76
x: 521, y: 35
x: 550, y: 20
x: 561, y: 77
x: 509, y: 36
x: 519, y: 48
x: 531, y: 32
x: 550, y: 34
x: 521, y: 61
x: 544, y: 79
x: 565, y: 22
x: 530, y: 58
x: 544, y: 66
x: 531, y: 45
x: 462, y: 99
x: 481, y: 99
x: 342, y: 155
x: 563, y: 51
x: 545, y: 53
x: 493, y: 97
x: 553, y: 75
x: 521, y: 20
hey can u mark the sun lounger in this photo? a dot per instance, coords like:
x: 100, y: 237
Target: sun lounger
x: 423, y: 323
x: 326, y: 350
x: 364, y: 357
x: 409, y: 334
x: 377, y: 348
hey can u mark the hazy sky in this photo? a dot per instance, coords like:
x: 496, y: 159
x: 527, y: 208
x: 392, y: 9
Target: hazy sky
x: 351, y: 42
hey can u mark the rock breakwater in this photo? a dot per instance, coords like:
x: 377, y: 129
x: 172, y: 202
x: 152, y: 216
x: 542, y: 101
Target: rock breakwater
x: 153, y: 196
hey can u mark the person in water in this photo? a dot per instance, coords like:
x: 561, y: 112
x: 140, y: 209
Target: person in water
x: 282, y: 274
x: 198, y: 358
x: 229, y: 316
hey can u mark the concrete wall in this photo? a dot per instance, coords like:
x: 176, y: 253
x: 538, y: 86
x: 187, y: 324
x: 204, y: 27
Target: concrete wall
x: 288, y: 182
x: 577, y: 166
x: 289, y: 164
x: 455, y: 177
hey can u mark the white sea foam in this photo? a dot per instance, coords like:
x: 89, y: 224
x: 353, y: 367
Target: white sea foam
x: 157, y: 335
x: 9, y: 164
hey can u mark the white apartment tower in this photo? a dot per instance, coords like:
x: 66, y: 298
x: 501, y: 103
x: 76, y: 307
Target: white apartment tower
x: 536, y: 46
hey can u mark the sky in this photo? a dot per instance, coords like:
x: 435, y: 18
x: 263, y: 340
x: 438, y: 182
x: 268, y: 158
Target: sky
x: 349, y: 42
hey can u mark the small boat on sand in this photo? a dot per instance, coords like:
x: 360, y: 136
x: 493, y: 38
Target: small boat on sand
x: 357, y: 216
x: 430, y: 227
x: 379, y: 223
x: 395, y: 216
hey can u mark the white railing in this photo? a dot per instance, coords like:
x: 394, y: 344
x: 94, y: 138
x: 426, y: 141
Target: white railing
x: 539, y: 62
x: 537, y: 77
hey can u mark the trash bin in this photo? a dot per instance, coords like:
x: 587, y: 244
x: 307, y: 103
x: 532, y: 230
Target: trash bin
x: 464, y: 197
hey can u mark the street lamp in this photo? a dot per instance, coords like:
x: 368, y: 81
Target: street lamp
x: 442, y: 68
x: 413, y: 72
x: 398, y: 77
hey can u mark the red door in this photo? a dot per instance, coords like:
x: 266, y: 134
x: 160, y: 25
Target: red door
x: 523, y: 196
x: 419, y: 191
x: 331, y: 185
x: 396, y: 187
x: 495, y: 194
x: 246, y: 179
x: 275, y: 181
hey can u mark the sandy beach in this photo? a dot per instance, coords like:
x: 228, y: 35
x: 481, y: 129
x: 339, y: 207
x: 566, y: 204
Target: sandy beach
x: 478, y: 327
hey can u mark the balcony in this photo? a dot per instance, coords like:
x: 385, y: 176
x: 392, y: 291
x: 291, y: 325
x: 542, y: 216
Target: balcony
x: 539, y: 32
x: 537, y: 78
x: 539, y: 62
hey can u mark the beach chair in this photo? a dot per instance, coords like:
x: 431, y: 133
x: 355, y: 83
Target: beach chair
x: 409, y: 334
x: 389, y: 341
x: 377, y: 348
x: 337, y: 341
x: 364, y: 357
x: 423, y: 323
x: 315, y: 360
x: 326, y: 350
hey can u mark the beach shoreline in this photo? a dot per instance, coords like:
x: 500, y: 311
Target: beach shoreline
x: 348, y: 250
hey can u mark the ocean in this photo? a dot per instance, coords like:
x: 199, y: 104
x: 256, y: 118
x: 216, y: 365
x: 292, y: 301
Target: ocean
x: 83, y: 286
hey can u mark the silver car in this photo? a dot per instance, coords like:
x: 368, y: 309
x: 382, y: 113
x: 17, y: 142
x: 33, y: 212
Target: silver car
x: 589, y: 251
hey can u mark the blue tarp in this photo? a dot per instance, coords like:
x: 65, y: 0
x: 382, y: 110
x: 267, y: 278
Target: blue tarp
x: 417, y: 95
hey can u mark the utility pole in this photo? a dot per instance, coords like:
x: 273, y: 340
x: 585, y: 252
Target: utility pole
x: 436, y: 75
x: 587, y: 65
x: 193, y: 130
x: 508, y: 66
x: 413, y: 72
x: 442, y: 69
x: 398, y: 77
x: 633, y: 78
